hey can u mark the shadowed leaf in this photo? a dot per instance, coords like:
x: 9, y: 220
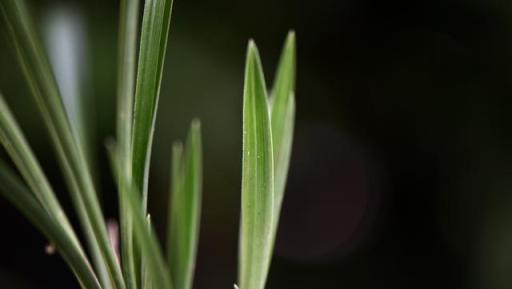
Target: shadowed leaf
x: 14, y: 191
x: 185, y: 209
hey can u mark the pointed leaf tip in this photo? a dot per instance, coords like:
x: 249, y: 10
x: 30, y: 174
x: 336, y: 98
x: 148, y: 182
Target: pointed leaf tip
x: 257, y: 177
x: 196, y: 124
x: 251, y: 43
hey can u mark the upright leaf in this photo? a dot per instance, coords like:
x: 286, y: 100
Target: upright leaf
x: 282, y: 119
x: 257, y: 178
x: 184, y: 215
x: 126, y: 76
x: 147, y: 282
x: 155, y: 266
x: 128, y: 31
x: 153, y: 44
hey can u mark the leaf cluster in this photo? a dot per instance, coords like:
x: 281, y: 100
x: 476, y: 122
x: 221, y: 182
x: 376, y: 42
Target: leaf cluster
x: 267, y: 140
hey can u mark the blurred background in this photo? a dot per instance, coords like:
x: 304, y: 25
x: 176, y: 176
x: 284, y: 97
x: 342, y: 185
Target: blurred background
x: 402, y: 158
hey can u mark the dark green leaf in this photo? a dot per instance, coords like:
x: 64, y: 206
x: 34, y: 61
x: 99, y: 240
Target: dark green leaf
x: 155, y: 30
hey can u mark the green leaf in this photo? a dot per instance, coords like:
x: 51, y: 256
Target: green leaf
x: 153, y: 44
x: 126, y: 73
x: 128, y: 31
x: 14, y: 142
x: 184, y: 215
x: 153, y: 260
x: 69, y: 152
x: 282, y: 120
x: 16, y: 193
x: 146, y: 276
x: 257, y: 178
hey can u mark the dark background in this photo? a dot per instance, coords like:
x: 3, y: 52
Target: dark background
x: 402, y: 161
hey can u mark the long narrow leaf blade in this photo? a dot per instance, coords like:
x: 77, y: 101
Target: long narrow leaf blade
x: 146, y: 276
x: 128, y: 31
x: 70, y: 154
x: 153, y: 44
x: 155, y: 30
x: 14, y: 191
x: 185, y: 209
x: 283, y: 114
x: 283, y: 154
x: 155, y: 265
x: 283, y: 120
x: 257, y: 178
x: 14, y: 142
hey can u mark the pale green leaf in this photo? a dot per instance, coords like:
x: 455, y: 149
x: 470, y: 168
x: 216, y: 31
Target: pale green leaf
x: 257, y: 178
x: 282, y: 120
